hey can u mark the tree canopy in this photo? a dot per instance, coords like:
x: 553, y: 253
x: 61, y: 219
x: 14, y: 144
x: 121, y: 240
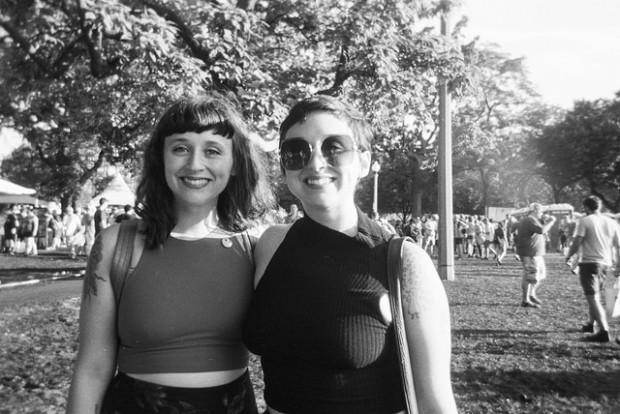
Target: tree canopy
x: 583, y: 150
x: 85, y: 80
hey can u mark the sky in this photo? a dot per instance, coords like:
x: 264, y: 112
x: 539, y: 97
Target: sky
x: 571, y: 47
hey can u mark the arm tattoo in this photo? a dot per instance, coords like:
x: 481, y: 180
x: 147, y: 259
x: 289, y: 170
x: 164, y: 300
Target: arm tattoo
x: 410, y: 289
x: 91, y: 277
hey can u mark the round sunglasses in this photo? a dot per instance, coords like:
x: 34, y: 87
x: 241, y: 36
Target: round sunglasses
x: 338, y: 150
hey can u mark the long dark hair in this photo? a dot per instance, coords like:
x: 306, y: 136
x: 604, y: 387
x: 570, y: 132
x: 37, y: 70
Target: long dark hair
x: 247, y: 194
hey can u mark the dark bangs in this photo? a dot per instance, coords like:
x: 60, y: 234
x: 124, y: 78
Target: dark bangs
x: 195, y: 116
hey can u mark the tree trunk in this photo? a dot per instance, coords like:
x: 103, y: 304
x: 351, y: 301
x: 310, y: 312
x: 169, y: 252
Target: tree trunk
x: 417, y: 201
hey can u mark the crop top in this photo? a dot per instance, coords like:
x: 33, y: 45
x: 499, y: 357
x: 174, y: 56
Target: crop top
x: 316, y: 323
x: 183, y: 307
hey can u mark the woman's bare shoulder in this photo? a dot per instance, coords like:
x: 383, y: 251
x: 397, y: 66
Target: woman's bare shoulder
x: 267, y: 245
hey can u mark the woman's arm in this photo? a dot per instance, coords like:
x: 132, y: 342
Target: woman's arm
x: 427, y: 322
x: 96, y: 359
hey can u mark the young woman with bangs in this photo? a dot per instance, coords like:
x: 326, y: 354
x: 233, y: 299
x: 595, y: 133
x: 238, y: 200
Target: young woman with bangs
x: 168, y: 339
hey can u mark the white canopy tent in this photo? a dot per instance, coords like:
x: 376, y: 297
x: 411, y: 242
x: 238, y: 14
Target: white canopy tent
x: 9, y: 188
x: 548, y: 208
x: 117, y: 193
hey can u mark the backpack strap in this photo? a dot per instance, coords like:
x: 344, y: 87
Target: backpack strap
x: 122, y: 257
x: 248, y: 245
x: 394, y: 273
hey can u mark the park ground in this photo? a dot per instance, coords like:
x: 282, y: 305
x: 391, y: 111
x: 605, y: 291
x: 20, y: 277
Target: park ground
x: 506, y: 359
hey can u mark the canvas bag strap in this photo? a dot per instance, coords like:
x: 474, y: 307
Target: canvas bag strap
x: 121, y: 259
x: 394, y: 272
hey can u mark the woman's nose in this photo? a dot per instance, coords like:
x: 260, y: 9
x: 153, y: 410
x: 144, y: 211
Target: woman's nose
x: 317, y: 160
x: 196, y: 160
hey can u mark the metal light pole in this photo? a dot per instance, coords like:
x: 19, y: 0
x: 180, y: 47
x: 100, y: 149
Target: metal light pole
x: 375, y: 167
x: 446, y: 223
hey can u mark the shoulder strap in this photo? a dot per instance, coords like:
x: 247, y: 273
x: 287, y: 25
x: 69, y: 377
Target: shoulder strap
x: 121, y: 259
x: 248, y: 245
x: 394, y: 272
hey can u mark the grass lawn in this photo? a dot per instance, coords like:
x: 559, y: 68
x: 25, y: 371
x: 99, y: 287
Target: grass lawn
x: 506, y: 359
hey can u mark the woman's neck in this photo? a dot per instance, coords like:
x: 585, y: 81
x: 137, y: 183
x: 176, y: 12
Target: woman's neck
x: 196, y: 222
x: 342, y: 218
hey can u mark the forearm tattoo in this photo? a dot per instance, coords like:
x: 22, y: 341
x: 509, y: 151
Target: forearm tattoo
x: 91, y: 276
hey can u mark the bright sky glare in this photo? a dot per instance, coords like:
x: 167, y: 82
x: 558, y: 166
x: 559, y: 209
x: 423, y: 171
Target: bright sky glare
x: 572, y: 47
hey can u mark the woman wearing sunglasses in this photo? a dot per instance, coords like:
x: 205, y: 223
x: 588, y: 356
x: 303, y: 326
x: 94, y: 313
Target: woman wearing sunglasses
x: 320, y: 317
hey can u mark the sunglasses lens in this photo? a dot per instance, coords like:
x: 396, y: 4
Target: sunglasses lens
x: 338, y: 151
x: 295, y: 154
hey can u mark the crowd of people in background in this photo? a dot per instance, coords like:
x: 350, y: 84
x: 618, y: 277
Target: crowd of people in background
x: 27, y: 229
x: 477, y: 236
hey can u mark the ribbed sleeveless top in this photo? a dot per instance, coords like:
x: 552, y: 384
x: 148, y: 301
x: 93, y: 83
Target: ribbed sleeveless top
x: 315, y: 321
x: 183, y: 307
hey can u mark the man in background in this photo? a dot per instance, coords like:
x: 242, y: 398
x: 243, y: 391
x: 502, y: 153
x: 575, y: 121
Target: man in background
x: 596, y: 235
x: 101, y: 215
x: 530, y: 243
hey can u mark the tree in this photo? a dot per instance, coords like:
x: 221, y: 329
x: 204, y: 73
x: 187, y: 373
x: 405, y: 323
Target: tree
x: 491, y: 128
x: 86, y: 79
x: 583, y: 150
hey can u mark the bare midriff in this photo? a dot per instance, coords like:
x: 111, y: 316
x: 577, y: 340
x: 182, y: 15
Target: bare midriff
x: 190, y: 379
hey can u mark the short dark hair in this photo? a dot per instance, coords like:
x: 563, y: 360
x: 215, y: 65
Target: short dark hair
x: 102, y: 200
x: 362, y: 133
x: 247, y: 194
x: 592, y: 202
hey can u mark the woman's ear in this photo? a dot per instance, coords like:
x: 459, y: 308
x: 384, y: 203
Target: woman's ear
x: 364, y: 157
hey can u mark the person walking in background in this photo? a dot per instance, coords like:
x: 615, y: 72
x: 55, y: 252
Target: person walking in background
x: 88, y: 227
x: 459, y: 236
x: 530, y: 242
x: 101, y: 215
x: 479, y: 238
x: 429, y: 230
x: 169, y: 340
x: 30, y: 229
x: 471, y: 236
x: 596, y: 236
x: 55, y: 225
x: 320, y: 316
x: 11, y: 225
x: 72, y: 224
x: 489, y: 234
x: 500, y: 243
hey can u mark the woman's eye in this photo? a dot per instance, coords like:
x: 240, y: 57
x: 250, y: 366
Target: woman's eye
x: 180, y: 149
x: 213, y: 151
x: 334, y: 148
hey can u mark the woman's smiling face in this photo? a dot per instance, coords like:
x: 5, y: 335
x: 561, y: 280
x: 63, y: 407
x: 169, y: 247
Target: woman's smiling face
x: 320, y: 184
x: 197, y: 167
